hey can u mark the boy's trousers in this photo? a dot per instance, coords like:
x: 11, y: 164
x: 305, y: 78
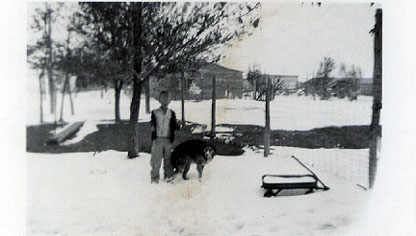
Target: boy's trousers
x: 161, y: 148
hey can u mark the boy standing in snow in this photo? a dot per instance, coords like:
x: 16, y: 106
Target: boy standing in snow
x: 163, y: 126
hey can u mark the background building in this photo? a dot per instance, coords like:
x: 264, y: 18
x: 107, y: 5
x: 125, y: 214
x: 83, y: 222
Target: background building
x: 198, y: 83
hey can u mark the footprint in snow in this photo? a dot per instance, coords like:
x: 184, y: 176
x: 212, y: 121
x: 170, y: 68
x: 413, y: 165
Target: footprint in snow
x: 239, y: 226
x: 327, y: 226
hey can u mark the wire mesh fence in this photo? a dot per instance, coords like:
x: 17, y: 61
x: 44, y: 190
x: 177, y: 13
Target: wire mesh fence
x: 352, y: 165
x: 343, y: 152
x: 331, y: 135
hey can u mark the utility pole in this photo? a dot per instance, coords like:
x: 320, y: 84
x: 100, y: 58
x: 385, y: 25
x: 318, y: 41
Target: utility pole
x: 377, y: 88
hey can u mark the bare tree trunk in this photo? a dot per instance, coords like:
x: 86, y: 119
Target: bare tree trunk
x: 214, y: 99
x: 41, y: 80
x: 134, y: 118
x: 147, y: 91
x: 41, y: 94
x: 313, y: 89
x: 70, y: 99
x: 66, y: 82
x: 183, y: 97
x: 377, y: 88
x: 136, y: 33
x: 51, y: 83
x: 61, y: 117
x: 267, y: 126
x: 118, y: 84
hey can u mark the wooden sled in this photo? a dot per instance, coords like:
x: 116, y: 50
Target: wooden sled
x: 274, y: 184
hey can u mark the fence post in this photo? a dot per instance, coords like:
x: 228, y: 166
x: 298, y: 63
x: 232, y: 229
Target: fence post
x: 377, y: 88
x: 214, y: 98
x: 183, y: 98
x: 267, y: 126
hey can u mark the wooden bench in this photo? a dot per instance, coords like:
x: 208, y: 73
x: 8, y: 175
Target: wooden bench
x: 65, y: 134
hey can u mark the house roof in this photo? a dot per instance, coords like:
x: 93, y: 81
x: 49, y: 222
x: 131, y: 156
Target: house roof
x: 213, y: 66
x: 285, y: 76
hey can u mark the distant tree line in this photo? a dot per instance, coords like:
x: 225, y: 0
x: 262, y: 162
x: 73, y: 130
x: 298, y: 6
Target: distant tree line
x: 324, y: 86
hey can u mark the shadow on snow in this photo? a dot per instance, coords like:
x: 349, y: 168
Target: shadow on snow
x: 114, y: 137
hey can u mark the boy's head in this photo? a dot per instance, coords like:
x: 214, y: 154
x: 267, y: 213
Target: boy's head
x: 164, y: 98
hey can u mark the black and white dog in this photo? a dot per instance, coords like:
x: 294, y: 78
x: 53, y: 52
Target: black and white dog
x: 194, y: 151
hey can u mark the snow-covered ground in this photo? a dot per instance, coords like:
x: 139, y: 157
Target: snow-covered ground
x: 107, y: 194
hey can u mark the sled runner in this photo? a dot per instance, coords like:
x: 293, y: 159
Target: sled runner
x: 274, y: 184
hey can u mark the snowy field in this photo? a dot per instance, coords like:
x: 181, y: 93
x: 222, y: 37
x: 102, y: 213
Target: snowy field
x: 106, y: 194
x: 287, y: 112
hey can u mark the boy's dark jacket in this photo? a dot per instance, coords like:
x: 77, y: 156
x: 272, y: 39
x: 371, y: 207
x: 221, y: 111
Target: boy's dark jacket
x: 173, y: 125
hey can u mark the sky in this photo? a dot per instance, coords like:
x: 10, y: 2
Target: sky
x: 293, y: 38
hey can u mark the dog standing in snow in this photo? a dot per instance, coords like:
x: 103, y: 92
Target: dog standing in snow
x: 195, y: 151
